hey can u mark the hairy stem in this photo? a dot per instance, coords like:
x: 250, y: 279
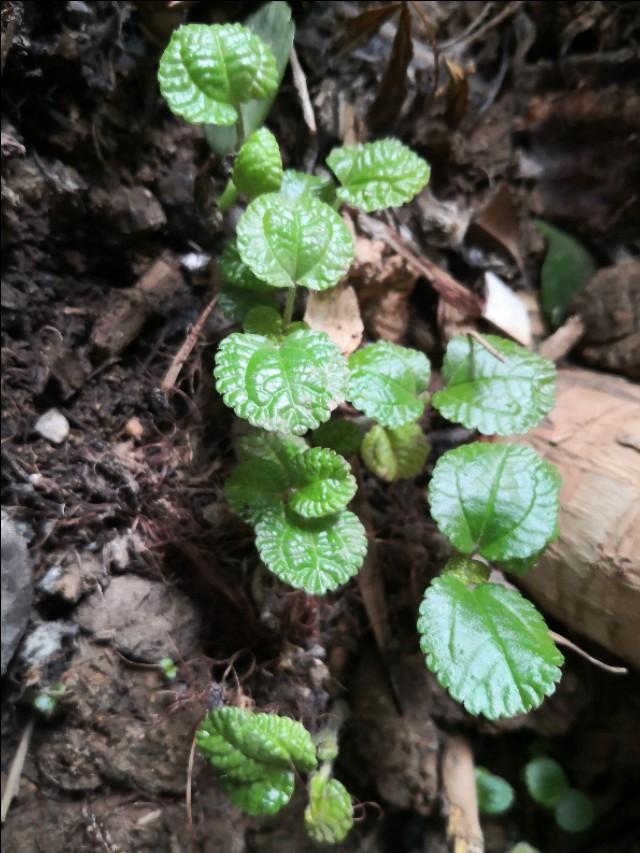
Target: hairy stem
x: 289, y: 305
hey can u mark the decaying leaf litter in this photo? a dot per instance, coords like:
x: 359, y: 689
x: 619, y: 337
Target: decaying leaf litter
x: 111, y: 229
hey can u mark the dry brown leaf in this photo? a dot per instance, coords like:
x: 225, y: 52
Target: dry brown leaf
x: 392, y: 90
x: 337, y: 313
x: 499, y: 219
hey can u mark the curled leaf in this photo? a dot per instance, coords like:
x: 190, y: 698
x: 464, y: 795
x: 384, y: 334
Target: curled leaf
x: 258, y: 166
x: 395, y: 453
x: 322, y: 481
x: 329, y: 815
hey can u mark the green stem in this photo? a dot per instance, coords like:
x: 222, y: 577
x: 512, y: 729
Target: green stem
x: 240, y: 129
x: 228, y: 197
x: 289, y: 305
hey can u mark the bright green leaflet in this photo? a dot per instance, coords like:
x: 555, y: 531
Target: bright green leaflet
x: 269, y: 447
x: 379, y: 174
x: 317, y: 555
x: 395, y: 453
x: 574, y: 812
x: 500, y: 500
x: 241, y: 290
x: 342, y: 436
x: 272, y: 23
x: 546, y: 781
x: 389, y: 383
x: 296, y: 184
x: 294, y: 241
x: 285, y: 386
x: 256, y: 755
x: 206, y: 72
x: 258, y: 166
x: 494, y: 397
x: 565, y: 271
x: 467, y: 570
x: 495, y: 794
x: 488, y: 646
x: 323, y: 483
x: 329, y: 815
x: 263, y: 320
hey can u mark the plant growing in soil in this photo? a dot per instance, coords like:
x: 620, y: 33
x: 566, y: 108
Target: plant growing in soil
x: 496, y: 502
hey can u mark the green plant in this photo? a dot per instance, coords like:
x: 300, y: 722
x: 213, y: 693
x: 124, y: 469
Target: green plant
x: 548, y: 785
x: 257, y: 756
x: 495, y: 794
x: 497, y: 503
x: 47, y: 701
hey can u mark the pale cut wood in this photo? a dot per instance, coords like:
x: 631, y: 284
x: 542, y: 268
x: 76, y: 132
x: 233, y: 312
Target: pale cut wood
x: 590, y: 578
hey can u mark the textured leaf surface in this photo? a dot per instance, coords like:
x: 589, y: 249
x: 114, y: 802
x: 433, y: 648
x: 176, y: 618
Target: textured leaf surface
x: 389, y: 383
x: 467, y: 570
x: 378, y: 175
x: 565, y: 271
x: 206, y: 72
x: 256, y: 755
x: 493, y: 397
x: 258, y: 166
x: 488, y: 646
x: 254, y: 487
x: 323, y: 483
x: 495, y: 794
x: 395, y: 453
x: 342, y: 436
x: 263, y: 320
x: 294, y: 241
x: 272, y: 447
x: 242, y: 290
x: 546, y: 781
x: 500, y: 500
x: 286, y: 386
x: 329, y: 814
x: 574, y: 812
x: 296, y: 184
x: 272, y: 23
x: 315, y: 555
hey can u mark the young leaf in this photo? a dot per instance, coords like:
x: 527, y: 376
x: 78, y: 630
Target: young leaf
x: 242, y: 290
x: 323, y: 483
x: 565, y: 271
x: 395, y: 453
x: 263, y: 320
x: 272, y: 23
x: 488, y: 646
x: 378, y: 175
x: 258, y: 166
x: 494, y: 397
x: 389, y: 382
x: 294, y: 241
x: 329, y: 815
x: 574, y: 812
x: 206, y: 72
x: 500, y: 500
x: 495, y: 794
x: 254, y: 487
x: 284, y: 386
x: 546, y: 781
x: 259, y: 445
x: 467, y: 570
x: 342, y: 436
x: 316, y: 555
x: 296, y: 184
x: 256, y: 755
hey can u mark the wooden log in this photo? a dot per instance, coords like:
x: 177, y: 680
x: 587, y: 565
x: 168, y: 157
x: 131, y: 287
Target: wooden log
x: 589, y: 578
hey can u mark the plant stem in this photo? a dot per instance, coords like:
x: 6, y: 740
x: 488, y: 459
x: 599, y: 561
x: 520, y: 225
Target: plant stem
x: 228, y: 197
x: 240, y: 130
x: 290, y: 305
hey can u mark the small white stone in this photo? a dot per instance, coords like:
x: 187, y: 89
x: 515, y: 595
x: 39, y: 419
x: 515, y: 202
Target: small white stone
x: 53, y: 426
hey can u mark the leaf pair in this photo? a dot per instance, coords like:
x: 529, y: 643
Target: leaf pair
x: 295, y: 497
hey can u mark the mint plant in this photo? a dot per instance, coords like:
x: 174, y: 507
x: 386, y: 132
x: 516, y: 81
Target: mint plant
x: 257, y: 757
x: 497, y: 503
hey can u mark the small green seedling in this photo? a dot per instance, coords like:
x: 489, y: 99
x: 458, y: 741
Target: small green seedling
x: 548, y: 785
x: 48, y: 701
x: 169, y: 668
x: 495, y: 794
x: 258, y: 756
x: 497, y: 503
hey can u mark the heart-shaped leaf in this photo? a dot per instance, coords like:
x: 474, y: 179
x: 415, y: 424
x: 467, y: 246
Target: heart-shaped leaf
x: 495, y: 397
x: 317, y: 555
x: 500, y: 500
x: 488, y: 646
x: 379, y: 174
x: 546, y: 781
x: 389, y: 383
x: 329, y: 815
x: 395, y: 453
x: 258, y: 166
x: 256, y: 755
x: 323, y: 483
x: 495, y: 794
x: 242, y: 290
x: 206, y: 72
x: 294, y: 241
x: 342, y: 436
x: 285, y: 386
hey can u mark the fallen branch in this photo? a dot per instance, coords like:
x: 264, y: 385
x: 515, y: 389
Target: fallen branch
x: 185, y: 350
